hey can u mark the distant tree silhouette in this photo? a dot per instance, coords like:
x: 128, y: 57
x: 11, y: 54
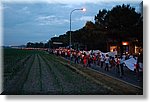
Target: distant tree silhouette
x: 120, y: 23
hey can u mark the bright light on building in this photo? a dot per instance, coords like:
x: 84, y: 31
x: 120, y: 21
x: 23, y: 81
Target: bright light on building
x: 125, y: 43
x: 113, y: 48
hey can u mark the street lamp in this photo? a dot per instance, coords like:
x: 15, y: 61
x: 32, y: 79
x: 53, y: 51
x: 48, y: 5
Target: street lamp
x: 82, y: 9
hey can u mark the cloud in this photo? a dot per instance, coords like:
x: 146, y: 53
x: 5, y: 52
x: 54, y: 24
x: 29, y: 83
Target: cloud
x: 4, y: 7
x: 25, y: 10
x: 70, y: 1
x: 86, y: 18
x: 35, y: 21
x: 51, y: 20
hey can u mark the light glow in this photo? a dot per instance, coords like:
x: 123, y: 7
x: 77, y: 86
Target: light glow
x: 125, y: 43
x: 83, y: 9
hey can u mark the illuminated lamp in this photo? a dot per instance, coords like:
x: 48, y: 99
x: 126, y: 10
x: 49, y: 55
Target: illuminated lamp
x: 125, y: 43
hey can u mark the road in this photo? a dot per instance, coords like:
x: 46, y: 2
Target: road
x: 129, y: 76
x: 43, y: 74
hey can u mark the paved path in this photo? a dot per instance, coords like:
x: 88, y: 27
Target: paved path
x: 117, y: 85
x: 129, y: 76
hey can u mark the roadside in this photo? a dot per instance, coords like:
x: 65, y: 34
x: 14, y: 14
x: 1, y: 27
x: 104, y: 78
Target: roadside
x: 119, y: 86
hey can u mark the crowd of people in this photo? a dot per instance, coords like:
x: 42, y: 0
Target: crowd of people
x: 97, y: 58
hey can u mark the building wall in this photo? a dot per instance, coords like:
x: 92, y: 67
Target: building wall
x: 128, y: 49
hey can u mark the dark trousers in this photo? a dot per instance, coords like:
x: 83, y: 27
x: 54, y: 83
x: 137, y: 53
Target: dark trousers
x: 106, y: 67
x: 118, y: 69
x: 102, y: 62
x: 121, y: 69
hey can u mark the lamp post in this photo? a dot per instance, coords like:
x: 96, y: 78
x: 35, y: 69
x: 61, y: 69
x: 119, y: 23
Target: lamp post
x: 82, y: 9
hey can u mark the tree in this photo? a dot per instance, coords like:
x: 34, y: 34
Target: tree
x: 89, y: 25
x: 123, y: 20
x: 122, y: 23
x: 29, y: 44
x: 100, y: 18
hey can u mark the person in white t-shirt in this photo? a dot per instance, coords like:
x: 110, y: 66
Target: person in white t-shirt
x: 102, y: 60
x: 107, y: 62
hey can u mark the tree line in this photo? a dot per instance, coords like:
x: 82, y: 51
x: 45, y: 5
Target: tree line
x: 121, y: 23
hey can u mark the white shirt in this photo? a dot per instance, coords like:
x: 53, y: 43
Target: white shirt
x: 107, y: 60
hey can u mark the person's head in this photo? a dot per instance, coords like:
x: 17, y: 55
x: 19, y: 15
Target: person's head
x: 107, y: 55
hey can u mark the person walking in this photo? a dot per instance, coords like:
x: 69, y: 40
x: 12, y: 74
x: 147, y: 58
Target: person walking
x: 102, y: 60
x: 94, y: 59
x: 107, y: 62
x: 85, y: 60
x: 117, y: 61
x: 98, y: 59
x: 89, y: 61
x: 122, y: 59
x: 76, y: 57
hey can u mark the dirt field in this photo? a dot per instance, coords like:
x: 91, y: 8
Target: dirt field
x: 41, y: 73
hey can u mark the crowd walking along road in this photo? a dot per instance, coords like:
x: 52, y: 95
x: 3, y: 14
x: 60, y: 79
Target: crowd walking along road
x: 120, y: 67
x: 38, y: 72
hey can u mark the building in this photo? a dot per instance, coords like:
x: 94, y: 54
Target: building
x: 131, y: 46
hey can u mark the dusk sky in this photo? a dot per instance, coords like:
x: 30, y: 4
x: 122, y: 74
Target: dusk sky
x: 29, y: 21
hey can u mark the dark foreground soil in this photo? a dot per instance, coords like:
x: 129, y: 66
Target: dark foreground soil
x: 49, y: 75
